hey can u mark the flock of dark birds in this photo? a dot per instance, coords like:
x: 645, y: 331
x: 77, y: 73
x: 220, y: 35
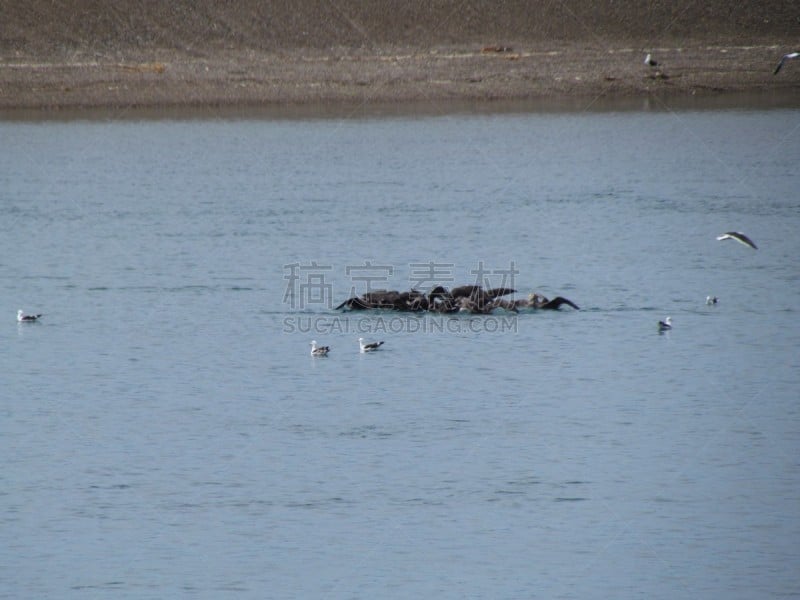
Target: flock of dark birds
x: 471, y: 299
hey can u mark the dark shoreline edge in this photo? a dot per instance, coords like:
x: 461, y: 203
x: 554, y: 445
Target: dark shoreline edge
x: 344, y: 110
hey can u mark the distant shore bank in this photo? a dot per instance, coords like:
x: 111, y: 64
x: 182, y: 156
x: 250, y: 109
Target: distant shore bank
x: 257, y: 53
x: 391, y: 75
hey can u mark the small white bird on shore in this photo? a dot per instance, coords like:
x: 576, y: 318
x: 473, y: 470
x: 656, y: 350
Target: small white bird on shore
x: 368, y: 346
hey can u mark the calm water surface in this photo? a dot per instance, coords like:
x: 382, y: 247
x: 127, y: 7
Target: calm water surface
x: 165, y: 432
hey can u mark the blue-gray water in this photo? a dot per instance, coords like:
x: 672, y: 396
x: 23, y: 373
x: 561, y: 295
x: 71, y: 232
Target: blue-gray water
x: 165, y: 433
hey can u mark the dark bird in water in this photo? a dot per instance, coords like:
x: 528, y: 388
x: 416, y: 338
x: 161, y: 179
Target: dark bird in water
x: 23, y: 318
x: 354, y: 303
x: 474, y: 299
x: 784, y: 58
x: 389, y: 299
x: 538, y: 301
x: 739, y: 237
x: 441, y: 301
x: 368, y: 346
x: 477, y: 292
x: 556, y: 303
x: 373, y: 299
x: 469, y: 305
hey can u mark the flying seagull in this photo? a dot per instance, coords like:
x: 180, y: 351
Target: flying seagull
x: 368, y: 346
x: 648, y: 60
x: 23, y: 318
x: 739, y: 237
x: 665, y: 325
x: 319, y: 350
x: 784, y: 58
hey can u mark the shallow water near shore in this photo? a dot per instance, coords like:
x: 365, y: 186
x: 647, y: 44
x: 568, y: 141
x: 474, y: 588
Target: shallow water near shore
x: 167, y: 434
x: 347, y: 110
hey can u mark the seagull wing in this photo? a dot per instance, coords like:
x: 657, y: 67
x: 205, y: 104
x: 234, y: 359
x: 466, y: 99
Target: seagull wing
x: 739, y: 237
x: 784, y: 58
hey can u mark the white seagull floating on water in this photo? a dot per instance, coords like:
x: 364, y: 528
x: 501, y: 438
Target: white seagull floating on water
x: 23, y: 318
x: 711, y: 300
x: 368, y: 346
x: 319, y: 350
x: 739, y: 237
x: 784, y: 58
x: 665, y: 325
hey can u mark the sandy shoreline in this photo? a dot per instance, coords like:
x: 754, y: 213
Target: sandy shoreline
x: 265, y: 53
x: 390, y: 74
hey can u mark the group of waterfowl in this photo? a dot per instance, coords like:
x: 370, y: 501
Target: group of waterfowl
x: 471, y: 299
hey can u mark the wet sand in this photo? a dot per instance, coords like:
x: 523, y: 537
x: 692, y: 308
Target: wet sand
x: 396, y: 75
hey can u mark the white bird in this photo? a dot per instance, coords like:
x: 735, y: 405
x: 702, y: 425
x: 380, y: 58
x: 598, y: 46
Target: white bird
x: 665, y: 325
x: 784, y: 58
x: 711, y: 300
x: 739, y: 237
x: 368, y: 346
x: 23, y: 318
x: 319, y: 350
x: 648, y: 60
